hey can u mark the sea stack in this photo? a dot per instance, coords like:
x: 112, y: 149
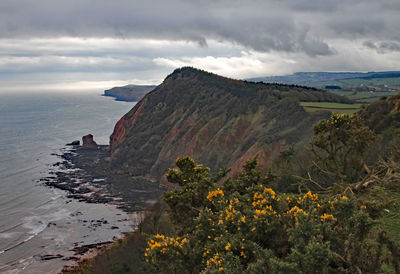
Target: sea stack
x: 88, y: 142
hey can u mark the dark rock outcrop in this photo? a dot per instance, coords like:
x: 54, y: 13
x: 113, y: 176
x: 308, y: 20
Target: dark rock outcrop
x: 88, y: 142
x: 74, y: 143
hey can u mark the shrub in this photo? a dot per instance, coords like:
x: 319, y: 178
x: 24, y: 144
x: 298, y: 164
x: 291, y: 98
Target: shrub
x: 243, y: 225
x: 339, y: 145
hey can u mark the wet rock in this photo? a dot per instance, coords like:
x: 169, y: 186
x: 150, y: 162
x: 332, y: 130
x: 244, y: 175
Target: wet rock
x: 80, y: 250
x: 50, y: 257
x: 71, y: 258
x: 74, y: 143
x: 78, y: 174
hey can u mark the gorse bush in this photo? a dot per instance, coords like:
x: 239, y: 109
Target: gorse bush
x: 339, y: 145
x: 243, y: 226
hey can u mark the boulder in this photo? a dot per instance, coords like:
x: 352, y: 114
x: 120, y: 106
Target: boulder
x: 74, y: 143
x: 88, y: 142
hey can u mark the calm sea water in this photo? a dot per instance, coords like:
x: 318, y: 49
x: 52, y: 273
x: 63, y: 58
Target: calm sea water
x: 36, y: 220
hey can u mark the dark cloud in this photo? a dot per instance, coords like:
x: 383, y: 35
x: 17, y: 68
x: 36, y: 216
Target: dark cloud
x: 284, y: 25
x: 383, y: 47
x: 96, y: 40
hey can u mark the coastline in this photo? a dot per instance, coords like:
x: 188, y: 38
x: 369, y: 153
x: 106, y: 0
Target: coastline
x: 85, y: 253
x: 85, y: 175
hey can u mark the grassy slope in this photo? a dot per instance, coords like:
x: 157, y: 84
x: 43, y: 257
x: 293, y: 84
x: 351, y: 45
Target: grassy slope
x: 389, y: 220
x: 216, y: 120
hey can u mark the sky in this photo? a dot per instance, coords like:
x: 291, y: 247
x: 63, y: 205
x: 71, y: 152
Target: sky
x: 97, y: 44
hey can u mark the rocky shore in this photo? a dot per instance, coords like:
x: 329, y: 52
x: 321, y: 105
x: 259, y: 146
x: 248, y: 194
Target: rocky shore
x: 85, y: 174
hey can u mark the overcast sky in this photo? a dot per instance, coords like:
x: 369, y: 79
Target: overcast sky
x: 76, y: 44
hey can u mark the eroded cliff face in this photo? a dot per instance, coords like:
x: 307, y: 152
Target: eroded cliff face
x: 216, y: 120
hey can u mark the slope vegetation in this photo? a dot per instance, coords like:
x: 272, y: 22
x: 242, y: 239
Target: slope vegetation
x: 216, y: 120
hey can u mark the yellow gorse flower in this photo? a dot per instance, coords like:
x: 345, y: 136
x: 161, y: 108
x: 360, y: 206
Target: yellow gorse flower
x: 215, y: 193
x: 162, y: 243
x: 326, y: 217
x: 230, y: 211
x: 294, y: 211
x: 215, y: 260
x: 270, y: 191
x: 310, y: 196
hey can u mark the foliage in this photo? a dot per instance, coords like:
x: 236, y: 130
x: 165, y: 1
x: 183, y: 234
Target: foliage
x: 243, y: 225
x: 383, y: 115
x: 183, y: 116
x: 339, y: 145
x: 195, y: 182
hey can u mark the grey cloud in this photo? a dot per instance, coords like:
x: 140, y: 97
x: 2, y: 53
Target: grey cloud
x: 383, y: 47
x: 358, y: 26
x: 281, y: 25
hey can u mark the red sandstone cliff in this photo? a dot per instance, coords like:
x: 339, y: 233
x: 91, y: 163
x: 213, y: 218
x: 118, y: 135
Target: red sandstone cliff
x: 217, y: 121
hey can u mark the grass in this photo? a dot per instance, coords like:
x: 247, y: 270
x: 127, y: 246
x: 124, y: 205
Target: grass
x: 332, y: 107
x: 390, y: 219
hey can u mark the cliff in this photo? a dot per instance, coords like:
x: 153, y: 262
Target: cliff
x: 129, y: 93
x: 216, y: 120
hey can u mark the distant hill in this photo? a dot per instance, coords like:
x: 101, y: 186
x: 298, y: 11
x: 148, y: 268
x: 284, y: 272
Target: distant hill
x: 217, y: 120
x: 321, y: 79
x: 362, y: 87
x: 129, y: 93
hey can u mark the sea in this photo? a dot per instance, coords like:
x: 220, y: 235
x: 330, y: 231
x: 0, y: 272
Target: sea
x: 36, y: 220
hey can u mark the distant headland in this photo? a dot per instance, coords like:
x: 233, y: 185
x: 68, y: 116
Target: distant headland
x: 129, y: 93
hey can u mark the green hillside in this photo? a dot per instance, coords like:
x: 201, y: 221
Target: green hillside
x: 218, y: 120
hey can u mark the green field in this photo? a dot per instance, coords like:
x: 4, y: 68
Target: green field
x: 332, y: 107
x: 364, y: 96
x: 366, y: 82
